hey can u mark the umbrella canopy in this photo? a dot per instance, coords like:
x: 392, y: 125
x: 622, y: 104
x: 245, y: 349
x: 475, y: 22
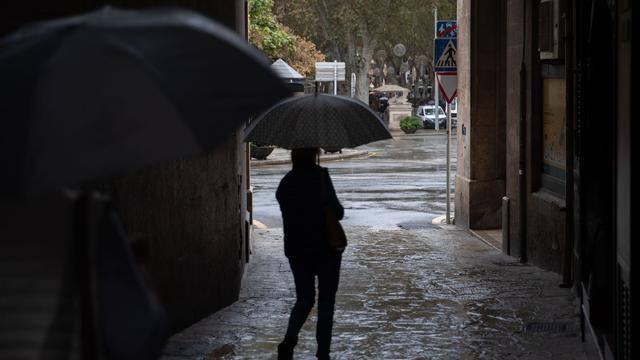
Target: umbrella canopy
x: 284, y: 70
x: 391, y: 88
x: 317, y: 120
x: 111, y: 91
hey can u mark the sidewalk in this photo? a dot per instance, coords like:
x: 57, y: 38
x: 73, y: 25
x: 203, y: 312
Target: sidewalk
x: 282, y: 156
x: 434, y: 293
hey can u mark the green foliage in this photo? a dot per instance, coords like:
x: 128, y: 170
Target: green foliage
x: 278, y: 41
x: 353, y: 30
x: 410, y: 122
x: 265, y: 32
x: 331, y: 23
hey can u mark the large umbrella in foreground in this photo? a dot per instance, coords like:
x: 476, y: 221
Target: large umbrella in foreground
x: 317, y: 120
x: 111, y: 91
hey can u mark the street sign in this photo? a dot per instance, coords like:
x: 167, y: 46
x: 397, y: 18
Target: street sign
x: 330, y: 71
x: 447, y: 29
x: 444, y: 55
x: 448, y: 85
x: 445, y: 68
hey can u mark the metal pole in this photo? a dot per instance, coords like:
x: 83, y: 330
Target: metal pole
x: 448, y: 163
x: 435, y: 76
x: 437, y: 105
x: 335, y: 77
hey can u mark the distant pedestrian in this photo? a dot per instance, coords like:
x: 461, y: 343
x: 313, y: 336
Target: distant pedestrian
x: 303, y: 195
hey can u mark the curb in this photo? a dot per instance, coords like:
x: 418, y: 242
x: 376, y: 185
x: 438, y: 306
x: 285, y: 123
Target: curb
x: 486, y: 241
x: 426, y: 132
x: 355, y: 154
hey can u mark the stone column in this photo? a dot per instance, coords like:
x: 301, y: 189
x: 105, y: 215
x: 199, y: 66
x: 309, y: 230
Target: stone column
x: 480, y: 178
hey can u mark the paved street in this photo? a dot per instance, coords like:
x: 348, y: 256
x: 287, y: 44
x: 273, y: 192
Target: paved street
x: 402, y: 182
x: 409, y: 289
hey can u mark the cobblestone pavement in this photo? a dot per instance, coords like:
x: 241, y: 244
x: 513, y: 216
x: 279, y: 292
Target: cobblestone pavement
x: 429, y: 293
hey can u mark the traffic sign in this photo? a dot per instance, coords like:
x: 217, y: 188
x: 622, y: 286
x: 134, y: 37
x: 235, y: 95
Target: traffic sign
x: 447, y: 29
x: 330, y: 71
x: 445, y: 55
x: 448, y: 85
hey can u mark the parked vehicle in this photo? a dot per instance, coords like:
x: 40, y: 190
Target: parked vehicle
x: 426, y: 113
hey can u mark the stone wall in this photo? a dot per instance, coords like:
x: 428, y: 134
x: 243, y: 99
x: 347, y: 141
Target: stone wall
x: 480, y: 174
x: 513, y: 62
x: 546, y: 214
x: 489, y: 61
x: 189, y: 213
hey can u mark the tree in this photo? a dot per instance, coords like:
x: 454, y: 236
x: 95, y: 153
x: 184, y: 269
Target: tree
x: 352, y: 30
x: 278, y: 41
x: 346, y: 30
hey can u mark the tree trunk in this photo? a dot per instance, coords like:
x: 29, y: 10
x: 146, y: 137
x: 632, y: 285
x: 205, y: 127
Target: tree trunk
x: 362, y: 81
x: 352, y: 59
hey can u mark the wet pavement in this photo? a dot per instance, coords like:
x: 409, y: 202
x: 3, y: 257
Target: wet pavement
x: 404, y: 294
x: 408, y: 290
x: 402, y: 181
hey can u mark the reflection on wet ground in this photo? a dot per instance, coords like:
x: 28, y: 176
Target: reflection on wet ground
x: 404, y: 294
x: 403, y: 182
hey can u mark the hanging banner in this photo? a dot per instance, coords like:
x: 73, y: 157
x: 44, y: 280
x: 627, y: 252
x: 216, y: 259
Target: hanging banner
x: 448, y: 85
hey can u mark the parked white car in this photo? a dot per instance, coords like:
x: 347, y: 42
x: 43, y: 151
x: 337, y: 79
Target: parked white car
x: 426, y: 113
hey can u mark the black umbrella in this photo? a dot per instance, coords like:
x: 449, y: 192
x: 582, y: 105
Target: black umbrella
x: 114, y: 90
x: 317, y: 120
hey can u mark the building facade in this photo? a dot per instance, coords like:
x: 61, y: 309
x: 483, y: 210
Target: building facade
x: 544, y: 146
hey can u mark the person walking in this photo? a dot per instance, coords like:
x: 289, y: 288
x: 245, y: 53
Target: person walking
x: 303, y: 194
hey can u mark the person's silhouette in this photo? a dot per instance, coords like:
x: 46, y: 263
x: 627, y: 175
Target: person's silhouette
x: 303, y: 200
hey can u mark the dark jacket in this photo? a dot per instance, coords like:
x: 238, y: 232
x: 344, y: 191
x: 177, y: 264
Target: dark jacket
x: 302, y: 202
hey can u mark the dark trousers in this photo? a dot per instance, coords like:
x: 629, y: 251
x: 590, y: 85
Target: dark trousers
x: 305, y: 270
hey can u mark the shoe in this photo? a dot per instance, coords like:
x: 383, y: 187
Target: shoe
x: 285, y: 349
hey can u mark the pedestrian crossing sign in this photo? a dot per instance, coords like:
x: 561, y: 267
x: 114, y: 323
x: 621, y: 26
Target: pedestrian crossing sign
x: 445, y: 55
